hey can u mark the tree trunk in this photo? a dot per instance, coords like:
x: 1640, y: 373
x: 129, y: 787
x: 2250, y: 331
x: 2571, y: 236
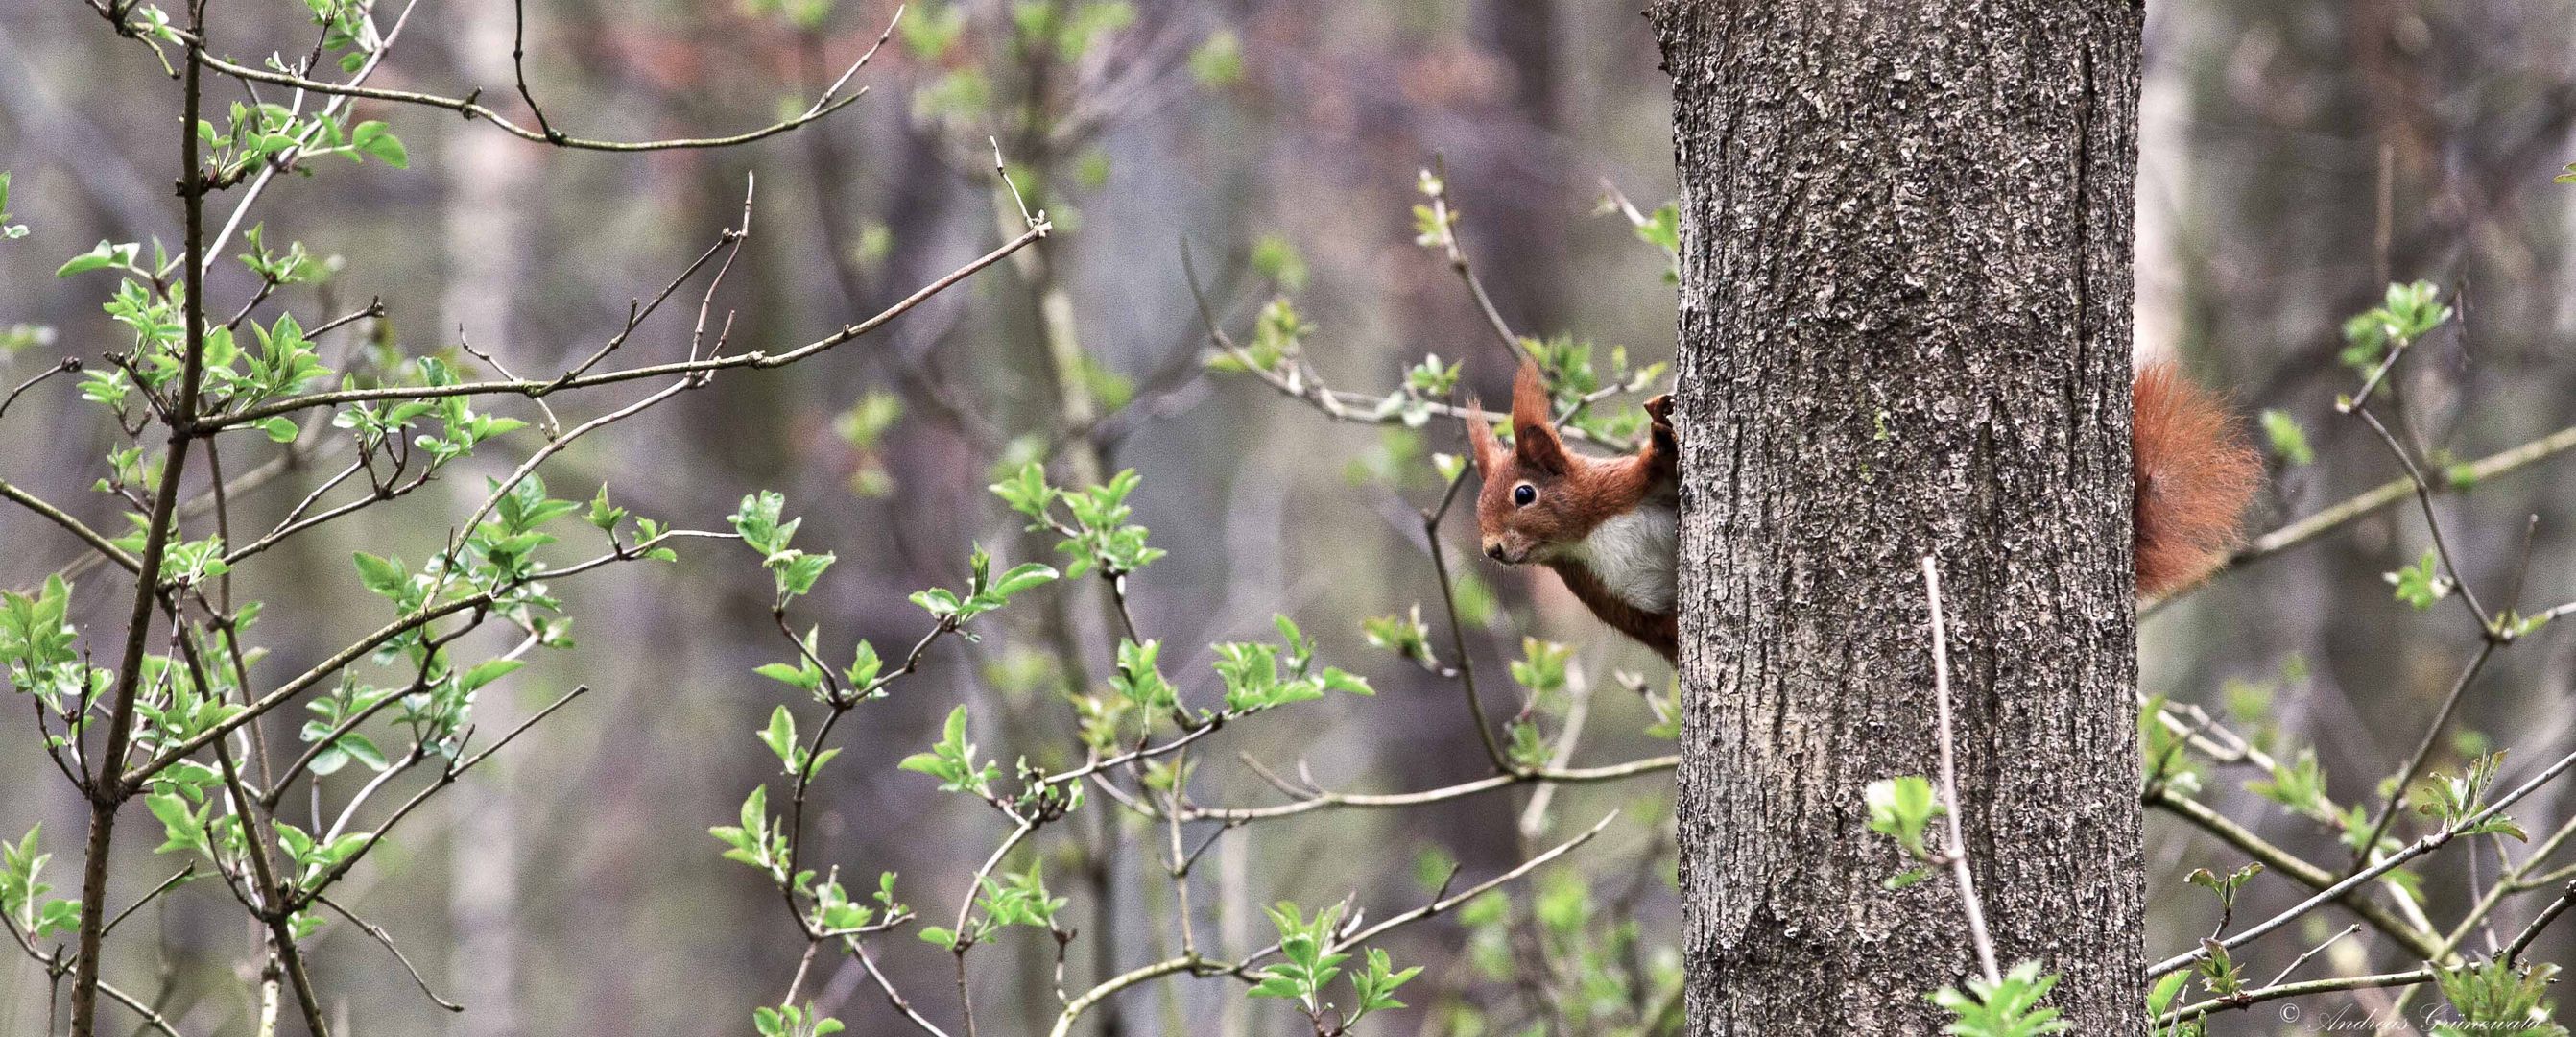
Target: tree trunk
x: 1905, y: 330
x: 491, y: 178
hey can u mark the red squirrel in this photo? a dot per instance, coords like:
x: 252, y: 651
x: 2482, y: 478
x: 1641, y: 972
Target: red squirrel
x: 1611, y: 526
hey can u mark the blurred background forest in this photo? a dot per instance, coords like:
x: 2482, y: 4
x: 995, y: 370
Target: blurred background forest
x: 2299, y: 155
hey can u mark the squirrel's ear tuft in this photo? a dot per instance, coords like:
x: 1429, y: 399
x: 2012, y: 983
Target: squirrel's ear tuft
x: 1534, y: 439
x: 1484, y: 449
x: 1529, y: 397
x: 1662, y: 450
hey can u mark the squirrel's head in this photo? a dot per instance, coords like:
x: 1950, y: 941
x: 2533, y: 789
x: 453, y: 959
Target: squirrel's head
x: 1535, y: 500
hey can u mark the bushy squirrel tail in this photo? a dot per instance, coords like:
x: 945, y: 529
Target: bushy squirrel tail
x: 2195, y: 474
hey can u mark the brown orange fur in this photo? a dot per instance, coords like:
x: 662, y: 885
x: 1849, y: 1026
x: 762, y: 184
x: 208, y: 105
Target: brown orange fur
x: 1575, y: 494
x: 2194, y: 475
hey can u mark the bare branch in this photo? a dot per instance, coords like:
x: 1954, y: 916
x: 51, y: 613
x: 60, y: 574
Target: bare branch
x: 2513, y: 951
x: 2420, y: 847
x: 320, y: 883
x: 2311, y: 952
x: 1193, y: 964
x: 756, y: 360
x: 893, y: 996
x: 2424, y: 750
x: 76, y: 527
x: 107, y: 794
x: 470, y: 107
x: 385, y: 938
x: 69, y: 364
x: 1322, y: 800
x: 2416, y: 941
x: 2378, y: 498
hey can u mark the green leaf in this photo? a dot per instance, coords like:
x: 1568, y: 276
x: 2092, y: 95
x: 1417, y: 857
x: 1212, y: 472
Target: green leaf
x: 864, y: 667
x: 1908, y: 877
x: 374, y: 139
x: 2299, y: 785
x: 1336, y: 680
x: 2225, y: 886
x: 603, y: 514
x: 181, y: 828
x: 1026, y: 491
x: 1663, y: 229
x: 358, y: 747
x: 798, y: 570
x: 384, y: 576
x: 2165, y: 991
x: 780, y: 736
x: 939, y: 601
x: 487, y: 672
x: 2421, y: 584
x: 2007, y: 1009
x: 2289, y: 441
x: 803, y: 676
x: 1901, y: 808
x: 1022, y: 577
x: 101, y: 257
x: 2497, y: 997
x: 1218, y: 62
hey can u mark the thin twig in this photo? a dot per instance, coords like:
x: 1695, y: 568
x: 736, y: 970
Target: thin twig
x: 2280, y: 990
x: 183, y: 875
x: 519, y: 69
x: 68, y: 364
x: 446, y: 777
x: 2378, y: 498
x: 105, y: 548
x: 2423, y: 751
x: 268, y: 170
x: 1458, y: 632
x: 2189, y: 1013
x: 893, y: 996
x: 385, y: 938
x: 755, y: 360
x: 1322, y: 800
x: 470, y: 107
x: 1445, y: 219
x: 2432, y: 522
x: 1958, y: 849
x: 2513, y: 951
x: 2311, y: 952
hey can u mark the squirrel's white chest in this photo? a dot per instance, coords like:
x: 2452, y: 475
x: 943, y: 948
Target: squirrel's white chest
x: 1633, y: 555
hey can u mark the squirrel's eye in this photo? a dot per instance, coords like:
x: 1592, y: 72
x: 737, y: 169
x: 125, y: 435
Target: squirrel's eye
x: 1523, y: 494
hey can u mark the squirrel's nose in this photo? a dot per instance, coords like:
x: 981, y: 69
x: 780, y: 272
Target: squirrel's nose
x: 1494, y: 551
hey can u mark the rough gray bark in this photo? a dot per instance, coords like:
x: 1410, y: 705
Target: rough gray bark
x: 1905, y: 329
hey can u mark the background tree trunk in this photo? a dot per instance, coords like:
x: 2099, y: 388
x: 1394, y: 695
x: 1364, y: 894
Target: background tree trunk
x: 1905, y: 329
x: 488, y: 175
